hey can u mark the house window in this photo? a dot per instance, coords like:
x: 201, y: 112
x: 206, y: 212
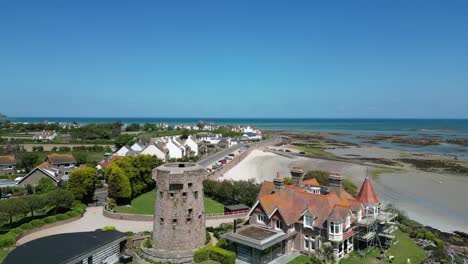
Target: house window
x: 309, y: 243
x: 66, y: 173
x: 348, y: 222
x: 261, y: 217
x: 176, y: 187
x: 335, y: 228
x: 292, y: 227
x: 278, y: 224
x: 308, y: 221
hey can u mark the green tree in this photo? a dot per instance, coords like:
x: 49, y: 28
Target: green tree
x: 81, y: 157
x: 288, y: 180
x: 59, y: 199
x: 350, y: 187
x: 119, y: 185
x: 45, y: 185
x: 82, y: 183
x: 123, y: 140
x: 28, y: 160
x: 320, y: 176
x: 133, y: 127
x: 34, y: 202
x: 13, y: 207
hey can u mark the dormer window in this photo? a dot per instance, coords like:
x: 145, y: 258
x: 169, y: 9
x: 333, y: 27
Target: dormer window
x: 278, y: 224
x: 261, y: 217
x: 308, y: 221
x: 335, y: 228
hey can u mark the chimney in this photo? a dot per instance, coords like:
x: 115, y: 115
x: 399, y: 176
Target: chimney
x: 279, y: 183
x: 335, y: 181
x: 297, y: 175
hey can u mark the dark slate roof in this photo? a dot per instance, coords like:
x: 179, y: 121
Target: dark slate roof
x: 236, y: 207
x: 61, y: 248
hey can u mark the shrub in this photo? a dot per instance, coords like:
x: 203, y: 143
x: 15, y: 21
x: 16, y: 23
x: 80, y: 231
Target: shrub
x: 37, y: 223
x: 439, y: 243
x: 16, y: 231
x: 72, y: 213
x: 429, y: 235
x: 216, y: 254
x: 61, y: 217
x: 49, y: 219
x: 222, y: 244
x: 7, y: 240
x: 148, y: 243
x: 208, y: 237
x: 129, y: 233
x: 26, y: 226
x: 109, y: 228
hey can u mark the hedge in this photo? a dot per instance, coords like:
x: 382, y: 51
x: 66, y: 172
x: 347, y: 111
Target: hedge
x: 9, y: 239
x: 216, y: 254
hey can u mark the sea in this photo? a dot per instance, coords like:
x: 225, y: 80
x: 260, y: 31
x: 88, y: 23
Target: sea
x: 347, y: 130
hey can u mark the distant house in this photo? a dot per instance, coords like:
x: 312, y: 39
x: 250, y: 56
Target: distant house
x: 7, y: 165
x: 123, y: 151
x: 251, y: 136
x: 175, y: 152
x: 57, y: 167
x: 158, y: 150
x: 193, y: 145
x: 210, y: 138
x: 46, y: 135
x: 236, y: 209
x: 138, y: 147
x: 70, y: 248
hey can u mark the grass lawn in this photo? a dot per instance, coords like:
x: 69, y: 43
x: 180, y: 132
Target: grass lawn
x: 144, y: 204
x: 314, y: 151
x: 300, y: 260
x: 404, y: 249
x: 374, y: 173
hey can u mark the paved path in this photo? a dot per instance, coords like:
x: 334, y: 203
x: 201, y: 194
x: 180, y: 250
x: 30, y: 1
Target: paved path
x: 94, y: 219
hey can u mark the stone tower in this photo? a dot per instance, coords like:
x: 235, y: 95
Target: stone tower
x: 179, y: 218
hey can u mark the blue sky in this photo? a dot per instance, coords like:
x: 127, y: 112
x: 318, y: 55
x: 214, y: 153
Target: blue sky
x: 363, y: 58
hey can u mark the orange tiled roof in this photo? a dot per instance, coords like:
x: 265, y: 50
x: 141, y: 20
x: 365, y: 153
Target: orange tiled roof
x: 367, y: 194
x: 312, y: 182
x: 294, y: 200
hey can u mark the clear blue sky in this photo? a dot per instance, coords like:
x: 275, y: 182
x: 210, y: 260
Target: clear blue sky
x: 359, y: 58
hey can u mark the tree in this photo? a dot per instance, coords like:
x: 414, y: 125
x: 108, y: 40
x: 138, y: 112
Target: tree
x: 81, y: 157
x: 13, y: 207
x: 133, y: 127
x: 28, y: 160
x: 34, y: 202
x: 350, y: 187
x: 82, y: 183
x: 320, y: 176
x: 123, y: 140
x: 288, y: 180
x: 60, y: 199
x: 45, y: 185
x: 119, y: 185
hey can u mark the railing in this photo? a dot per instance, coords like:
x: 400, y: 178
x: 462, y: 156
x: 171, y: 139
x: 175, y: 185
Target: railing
x: 226, y: 214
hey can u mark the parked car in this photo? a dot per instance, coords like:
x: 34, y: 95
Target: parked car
x: 287, y: 150
x: 302, y: 152
x: 231, y: 154
x: 208, y: 170
x: 222, y: 161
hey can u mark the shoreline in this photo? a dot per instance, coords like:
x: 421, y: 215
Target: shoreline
x: 419, y: 194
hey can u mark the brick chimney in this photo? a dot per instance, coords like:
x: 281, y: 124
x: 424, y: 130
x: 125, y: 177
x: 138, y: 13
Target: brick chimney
x: 297, y: 175
x: 335, y: 181
x: 279, y: 183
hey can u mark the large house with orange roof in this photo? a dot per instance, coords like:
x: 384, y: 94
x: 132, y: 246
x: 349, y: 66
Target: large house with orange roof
x: 303, y: 217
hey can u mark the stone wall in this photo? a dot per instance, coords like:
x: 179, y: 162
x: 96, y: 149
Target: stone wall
x: 129, y: 217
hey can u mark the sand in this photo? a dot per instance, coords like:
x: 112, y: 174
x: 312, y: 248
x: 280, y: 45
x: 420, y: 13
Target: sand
x: 432, y: 199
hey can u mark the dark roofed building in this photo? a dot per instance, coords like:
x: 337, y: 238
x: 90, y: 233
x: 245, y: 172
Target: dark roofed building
x: 7, y: 165
x: 70, y: 248
x: 236, y: 209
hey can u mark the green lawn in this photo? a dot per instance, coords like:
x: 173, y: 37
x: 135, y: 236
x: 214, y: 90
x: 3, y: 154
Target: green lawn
x: 144, y: 204
x: 377, y: 171
x: 404, y: 249
x: 300, y: 260
x: 315, y: 151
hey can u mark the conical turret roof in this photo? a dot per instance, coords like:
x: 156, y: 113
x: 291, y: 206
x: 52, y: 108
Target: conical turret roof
x: 367, y: 194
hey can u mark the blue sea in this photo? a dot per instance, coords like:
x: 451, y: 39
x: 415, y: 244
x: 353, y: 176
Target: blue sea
x: 345, y: 129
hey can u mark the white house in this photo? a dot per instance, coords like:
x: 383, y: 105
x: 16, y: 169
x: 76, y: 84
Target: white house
x: 46, y: 135
x: 175, y: 152
x: 157, y: 150
x: 123, y: 151
x: 192, y: 144
x: 138, y: 146
x: 210, y: 138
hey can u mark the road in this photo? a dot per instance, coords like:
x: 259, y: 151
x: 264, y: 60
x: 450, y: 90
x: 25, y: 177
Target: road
x: 219, y: 155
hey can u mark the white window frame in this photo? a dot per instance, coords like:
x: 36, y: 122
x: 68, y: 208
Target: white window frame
x: 348, y: 222
x: 261, y: 217
x: 359, y: 215
x: 335, y: 228
x: 308, y: 221
x: 278, y: 224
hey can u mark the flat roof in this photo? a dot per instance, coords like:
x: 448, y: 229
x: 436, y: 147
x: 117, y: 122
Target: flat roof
x: 236, y: 207
x: 61, y: 248
x: 256, y: 233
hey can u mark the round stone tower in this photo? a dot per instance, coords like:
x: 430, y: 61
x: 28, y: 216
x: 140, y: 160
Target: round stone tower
x: 179, y: 218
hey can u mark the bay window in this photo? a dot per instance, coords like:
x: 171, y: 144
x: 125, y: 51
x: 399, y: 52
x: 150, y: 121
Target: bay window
x: 335, y: 228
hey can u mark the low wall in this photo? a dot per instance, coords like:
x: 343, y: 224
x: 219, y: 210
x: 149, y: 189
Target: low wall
x: 129, y: 217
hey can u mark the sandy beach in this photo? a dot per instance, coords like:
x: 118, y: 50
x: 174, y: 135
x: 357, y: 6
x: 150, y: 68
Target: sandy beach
x: 430, y: 198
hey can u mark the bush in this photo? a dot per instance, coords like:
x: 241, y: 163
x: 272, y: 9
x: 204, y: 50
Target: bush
x: 7, y: 240
x: 208, y: 237
x: 222, y: 244
x: 148, y: 243
x: 26, y: 226
x: 109, y: 228
x: 61, y: 217
x: 37, y: 223
x: 49, y: 219
x: 216, y: 254
x: 72, y: 213
x: 429, y: 235
x: 129, y: 233
x: 439, y: 243
x: 16, y: 231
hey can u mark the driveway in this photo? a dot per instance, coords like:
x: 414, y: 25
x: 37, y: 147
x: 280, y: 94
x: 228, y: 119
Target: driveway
x: 94, y: 219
